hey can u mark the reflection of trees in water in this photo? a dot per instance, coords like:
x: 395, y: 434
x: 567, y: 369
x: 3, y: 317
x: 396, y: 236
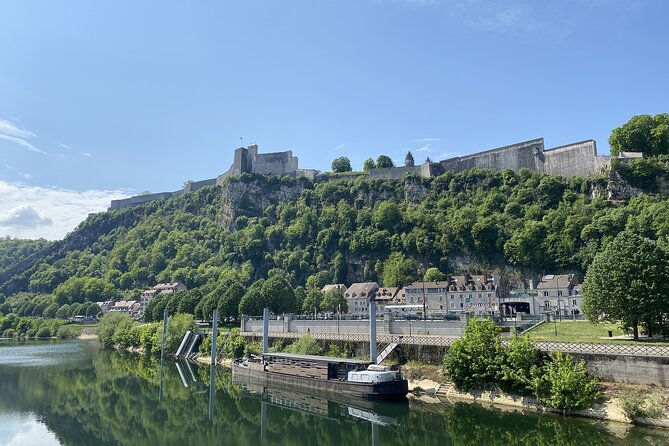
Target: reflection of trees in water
x: 114, y: 400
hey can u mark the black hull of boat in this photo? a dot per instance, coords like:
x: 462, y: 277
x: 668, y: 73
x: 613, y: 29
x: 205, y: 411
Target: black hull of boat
x: 385, y: 390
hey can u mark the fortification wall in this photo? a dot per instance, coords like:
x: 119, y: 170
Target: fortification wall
x: 139, y: 199
x: 195, y: 185
x: 578, y: 159
x: 515, y: 157
x: 393, y: 173
x: 277, y: 163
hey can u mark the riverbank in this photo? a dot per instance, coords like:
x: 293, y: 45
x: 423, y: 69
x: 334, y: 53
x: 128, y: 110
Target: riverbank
x: 426, y: 382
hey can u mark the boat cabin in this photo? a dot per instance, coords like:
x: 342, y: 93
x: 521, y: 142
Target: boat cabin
x: 319, y: 367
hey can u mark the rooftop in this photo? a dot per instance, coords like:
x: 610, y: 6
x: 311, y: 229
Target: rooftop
x: 317, y: 358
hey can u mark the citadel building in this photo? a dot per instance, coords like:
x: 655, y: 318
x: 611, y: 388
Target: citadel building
x: 578, y: 159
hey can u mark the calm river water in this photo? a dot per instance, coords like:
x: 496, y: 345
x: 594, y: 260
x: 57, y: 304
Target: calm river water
x: 74, y: 393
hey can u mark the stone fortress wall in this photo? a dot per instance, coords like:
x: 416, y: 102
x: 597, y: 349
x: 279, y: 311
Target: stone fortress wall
x: 577, y: 159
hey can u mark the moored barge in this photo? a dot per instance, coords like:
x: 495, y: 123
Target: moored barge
x: 338, y: 375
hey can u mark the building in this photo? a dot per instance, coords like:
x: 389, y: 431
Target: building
x: 248, y: 160
x: 471, y: 294
x: 358, y: 296
x: 559, y: 295
x: 161, y: 288
x: 340, y: 287
x: 105, y: 306
x: 130, y: 307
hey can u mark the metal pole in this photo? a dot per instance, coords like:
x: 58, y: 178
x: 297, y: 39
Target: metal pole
x: 212, y: 373
x: 265, y: 329
x: 424, y: 302
x: 214, y: 332
x: 162, y: 348
x: 372, y: 330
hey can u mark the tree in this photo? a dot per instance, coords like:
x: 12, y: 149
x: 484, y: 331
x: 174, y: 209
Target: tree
x: 384, y: 161
x: 313, y: 301
x: 428, y: 160
x: 341, y: 164
x: 563, y: 384
x: 474, y: 360
x: 254, y: 301
x: 433, y: 275
x: 228, y: 303
x: 63, y: 311
x: 280, y: 295
x: 5, y: 309
x: 50, y: 311
x: 108, y: 325
x: 398, y: 270
x: 368, y: 165
x: 334, y: 301
x: 629, y: 282
x: 642, y: 133
x: 408, y: 160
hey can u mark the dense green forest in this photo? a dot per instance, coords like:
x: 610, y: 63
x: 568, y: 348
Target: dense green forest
x: 225, y: 243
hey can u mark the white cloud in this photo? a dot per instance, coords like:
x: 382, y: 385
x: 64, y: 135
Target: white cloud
x: 86, y: 154
x: 22, y: 142
x: 424, y: 149
x: 427, y: 140
x: 9, y: 128
x: 26, y: 176
x: 34, y: 212
x: 23, y: 216
x: 64, y: 146
x: 10, y: 132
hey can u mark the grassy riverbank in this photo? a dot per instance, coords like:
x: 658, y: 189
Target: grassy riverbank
x: 585, y: 331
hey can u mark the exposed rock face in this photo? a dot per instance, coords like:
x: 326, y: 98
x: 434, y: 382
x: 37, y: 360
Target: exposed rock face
x: 251, y: 197
x: 619, y: 190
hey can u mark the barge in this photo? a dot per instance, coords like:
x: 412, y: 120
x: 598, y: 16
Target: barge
x: 334, y: 375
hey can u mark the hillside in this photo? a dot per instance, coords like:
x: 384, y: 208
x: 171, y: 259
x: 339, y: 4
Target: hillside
x: 253, y: 227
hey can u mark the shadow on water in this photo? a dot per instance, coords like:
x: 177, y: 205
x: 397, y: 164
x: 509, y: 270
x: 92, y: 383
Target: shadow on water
x: 102, y: 397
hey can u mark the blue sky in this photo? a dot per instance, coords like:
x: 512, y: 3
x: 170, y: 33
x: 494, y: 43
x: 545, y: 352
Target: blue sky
x: 103, y: 99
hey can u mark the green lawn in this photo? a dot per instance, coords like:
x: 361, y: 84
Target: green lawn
x: 581, y: 331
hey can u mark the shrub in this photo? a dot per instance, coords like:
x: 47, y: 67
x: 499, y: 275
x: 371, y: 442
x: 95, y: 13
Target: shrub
x: 9, y: 333
x: 564, y: 384
x: 254, y: 348
x: 108, y: 325
x: 334, y: 351
x: 234, y: 345
x: 638, y: 405
x: 306, y: 345
x: 68, y: 331
x: 122, y: 333
x: 148, y: 337
x: 517, y: 364
x: 177, y: 326
x: 43, y: 332
x: 474, y: 361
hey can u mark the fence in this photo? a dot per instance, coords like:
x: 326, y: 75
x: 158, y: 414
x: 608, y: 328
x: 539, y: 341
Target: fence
x: 649, y: 351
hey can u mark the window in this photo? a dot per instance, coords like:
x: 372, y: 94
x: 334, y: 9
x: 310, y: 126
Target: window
x: 489, y: 294
x: 479, y: 295
x: 573, y: 302
x: 441, y: 298
x: 452, y: 305
x: 452, y: 296
x: 559, y: 293
x: 545, y: 293
x: 547, y: 305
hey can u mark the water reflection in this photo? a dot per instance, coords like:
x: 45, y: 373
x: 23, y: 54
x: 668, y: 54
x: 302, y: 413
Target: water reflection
x: 97, y: 397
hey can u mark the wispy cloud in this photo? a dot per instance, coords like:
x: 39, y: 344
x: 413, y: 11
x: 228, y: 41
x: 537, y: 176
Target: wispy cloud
x: 12, y: 133
x: 21, y: 142
x: 86, y: 154
x: 34, y: 212
x: 64, y: 146
x: 424, y: 140
x: 424, y: 149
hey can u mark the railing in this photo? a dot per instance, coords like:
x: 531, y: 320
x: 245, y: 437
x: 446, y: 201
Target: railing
x: 650, y: 351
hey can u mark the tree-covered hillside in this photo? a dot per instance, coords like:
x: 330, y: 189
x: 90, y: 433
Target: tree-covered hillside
x: 389, y: 231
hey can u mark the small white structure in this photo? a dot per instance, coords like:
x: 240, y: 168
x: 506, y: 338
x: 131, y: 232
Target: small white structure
x: 374, y: 374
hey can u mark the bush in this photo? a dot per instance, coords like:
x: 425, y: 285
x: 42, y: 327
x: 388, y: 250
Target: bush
x: 234, y: 345
x: 254, y: 348
x: 148, y: 337
x: 474, y: 361
x: 108, y: 325
x: 334, y: 351
x: 123, y: 335
x: 517, y: 364
x: 306, y: 345
x: 43, y: 332
x: 68, y: 331
x: 564, y: 384
x: 9, y: 333
x: 177, y: 326
x: 638, y: 405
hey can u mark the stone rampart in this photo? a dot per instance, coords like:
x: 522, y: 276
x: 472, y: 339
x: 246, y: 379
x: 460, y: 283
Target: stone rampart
x: 526, y: 154
x: 574, y: 160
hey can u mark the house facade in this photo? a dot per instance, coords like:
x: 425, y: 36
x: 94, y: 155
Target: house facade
x: 467, y: 293
x: 161, y: 288
x: 358, y: 296
x: 559, y: 295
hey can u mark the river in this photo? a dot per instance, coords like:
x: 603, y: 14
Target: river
x: 74, y: 393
